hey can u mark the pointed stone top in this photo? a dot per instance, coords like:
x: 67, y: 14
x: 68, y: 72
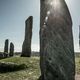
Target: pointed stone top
x: 29, y: 18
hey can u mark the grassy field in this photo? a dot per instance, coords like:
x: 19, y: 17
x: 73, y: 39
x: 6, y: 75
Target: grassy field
x: 32, y: 72
x: 77, y: 61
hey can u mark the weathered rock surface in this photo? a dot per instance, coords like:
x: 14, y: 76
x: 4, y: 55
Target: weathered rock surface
x: 6, y: 46
x: 11, y: 49
x: 57, y: 60
x: 26, y: 47
x: 6, y: 55
x: 79, y: 36
x: 1, y: 55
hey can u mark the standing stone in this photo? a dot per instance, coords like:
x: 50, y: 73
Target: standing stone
x: 6, y: 46
x: 57, y: 60
x: 79, y: 36
x: 26, y: 47
x: 11, y: 49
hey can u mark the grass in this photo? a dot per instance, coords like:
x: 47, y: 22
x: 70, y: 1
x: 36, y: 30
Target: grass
x: 77, y: 61
x: 32, y: 72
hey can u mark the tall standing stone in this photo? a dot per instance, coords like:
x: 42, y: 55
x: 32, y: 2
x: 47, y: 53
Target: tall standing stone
x: 26, y: 47
x: 11, y: 53
x: 6, y: 46
x: 57, y: 60
x: 79, y: 36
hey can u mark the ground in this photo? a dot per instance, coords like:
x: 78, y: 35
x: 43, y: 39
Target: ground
x: 77, y: 61
x: 32, y: 72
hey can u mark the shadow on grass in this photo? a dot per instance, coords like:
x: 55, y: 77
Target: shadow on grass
x: 11, y: 67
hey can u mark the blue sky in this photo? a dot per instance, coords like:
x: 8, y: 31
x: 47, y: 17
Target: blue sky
x: 13, y: 14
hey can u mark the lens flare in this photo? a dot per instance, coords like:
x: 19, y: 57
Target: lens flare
x: 55, y: 3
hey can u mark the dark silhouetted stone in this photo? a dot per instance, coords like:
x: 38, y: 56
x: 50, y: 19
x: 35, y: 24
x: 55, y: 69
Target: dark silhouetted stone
x: 11, y: 49
x: 1, y: 55
x: 26, y: 47
x: 6, y: 46
x: 57, y: 60
x: 6, y: 55
x: 79, y: 36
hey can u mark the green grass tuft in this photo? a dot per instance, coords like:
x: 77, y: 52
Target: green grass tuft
x: 32, y: 72
x: 77, y: 61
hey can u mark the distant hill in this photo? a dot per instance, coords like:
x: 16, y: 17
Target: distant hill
x: 34, y: 53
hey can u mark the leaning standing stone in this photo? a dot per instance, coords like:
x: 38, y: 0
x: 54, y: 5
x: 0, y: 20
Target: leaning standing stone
x: 57, y: 60
x: 26, y: 47
x: 11, y: 53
